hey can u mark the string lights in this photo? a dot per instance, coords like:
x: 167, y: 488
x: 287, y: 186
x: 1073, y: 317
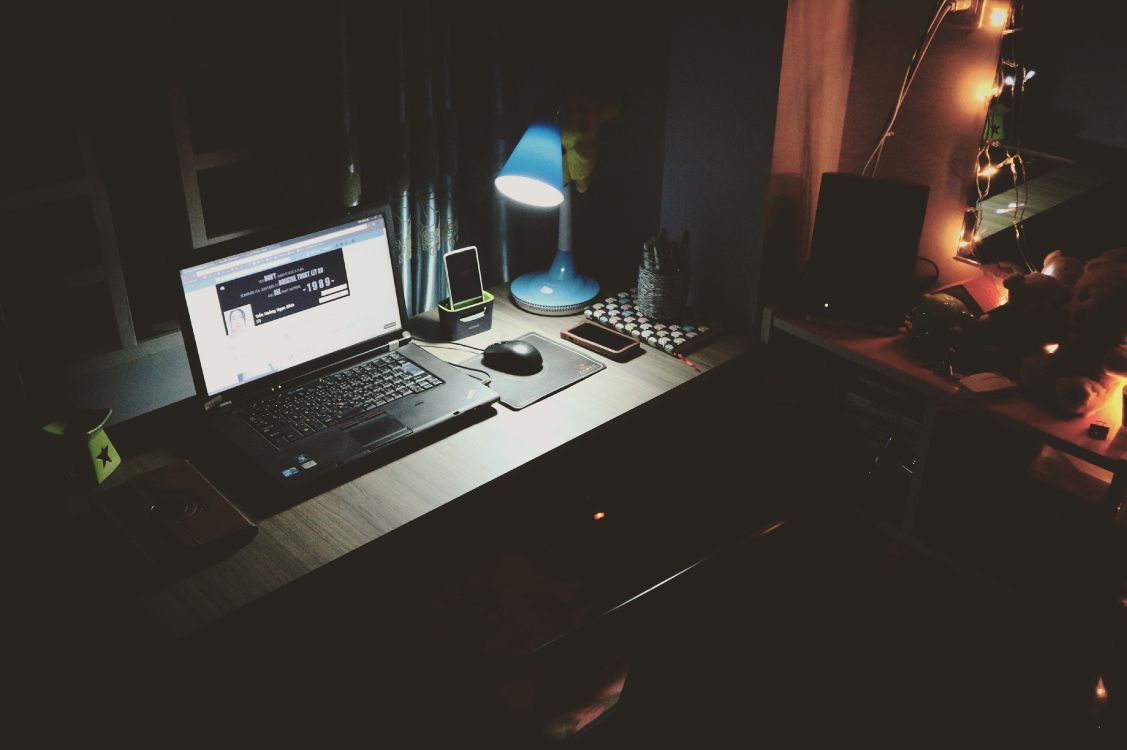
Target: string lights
x: 999, y: 153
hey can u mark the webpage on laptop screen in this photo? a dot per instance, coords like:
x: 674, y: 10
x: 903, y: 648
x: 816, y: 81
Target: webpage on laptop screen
x: 282, y: 305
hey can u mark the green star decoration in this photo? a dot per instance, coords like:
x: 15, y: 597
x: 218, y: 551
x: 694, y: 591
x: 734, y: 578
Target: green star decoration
x: 102, y: 453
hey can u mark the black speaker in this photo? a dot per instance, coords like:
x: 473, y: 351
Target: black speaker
x: 863, y: 252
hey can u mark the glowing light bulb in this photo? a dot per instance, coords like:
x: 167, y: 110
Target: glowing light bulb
x: 1101, y: 691
x: 1051, y: 348
x: 1029, y: 74
x: 998, y: 16
x: 988, y: 171
x: 1009, y: 80
x: 988, y: 90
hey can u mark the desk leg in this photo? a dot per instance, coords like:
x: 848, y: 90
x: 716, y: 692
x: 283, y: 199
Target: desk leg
x: 919, y: 473
x: 1108, y: 559
x: 1117, y: 493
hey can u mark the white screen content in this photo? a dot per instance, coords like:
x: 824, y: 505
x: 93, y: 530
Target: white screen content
x: 266, y: 310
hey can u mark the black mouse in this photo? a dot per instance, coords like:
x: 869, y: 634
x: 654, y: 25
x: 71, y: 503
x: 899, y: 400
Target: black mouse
x: 513, y: 357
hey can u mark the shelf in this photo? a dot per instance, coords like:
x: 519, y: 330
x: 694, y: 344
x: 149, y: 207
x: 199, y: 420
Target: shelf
x: 1009, y: 495
x: 889, y: 356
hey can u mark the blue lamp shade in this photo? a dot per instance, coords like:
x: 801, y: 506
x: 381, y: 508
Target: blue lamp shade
x: 534, y: 173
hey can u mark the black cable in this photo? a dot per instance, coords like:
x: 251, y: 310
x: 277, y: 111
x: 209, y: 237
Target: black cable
x: 484, y: 381
x: 453, y: 343
x: 488, y: 376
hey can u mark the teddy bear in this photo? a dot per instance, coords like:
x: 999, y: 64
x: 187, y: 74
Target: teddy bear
x: 1036, y: 315
x: 1073, y: 357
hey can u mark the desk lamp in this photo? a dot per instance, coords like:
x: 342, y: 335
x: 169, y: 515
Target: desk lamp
x: 533, y: 175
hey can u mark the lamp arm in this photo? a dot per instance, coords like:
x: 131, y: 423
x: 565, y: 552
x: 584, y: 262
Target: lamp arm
x: 564, y: 243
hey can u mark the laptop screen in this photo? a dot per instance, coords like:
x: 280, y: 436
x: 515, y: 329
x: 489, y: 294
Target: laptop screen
x: 266, y: 310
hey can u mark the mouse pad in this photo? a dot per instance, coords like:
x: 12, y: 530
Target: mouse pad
x: 563, y: 366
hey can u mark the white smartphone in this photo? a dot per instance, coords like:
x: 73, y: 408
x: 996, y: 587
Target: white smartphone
x: 463, y: 277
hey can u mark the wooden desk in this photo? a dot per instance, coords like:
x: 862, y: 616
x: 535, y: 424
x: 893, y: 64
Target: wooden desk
x: 103, y: 626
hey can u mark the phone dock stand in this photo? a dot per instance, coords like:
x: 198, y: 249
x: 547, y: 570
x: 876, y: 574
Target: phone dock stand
x: 466, y: 319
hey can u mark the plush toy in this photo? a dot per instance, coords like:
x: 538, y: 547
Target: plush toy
x: 1078, y: 367
x: 1063, y: 267
x: 581, y: 122
x: 1035, y: 315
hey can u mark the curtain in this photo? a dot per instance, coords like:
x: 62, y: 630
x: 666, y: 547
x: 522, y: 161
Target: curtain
x: 428, y: 191
x: 424, y: 197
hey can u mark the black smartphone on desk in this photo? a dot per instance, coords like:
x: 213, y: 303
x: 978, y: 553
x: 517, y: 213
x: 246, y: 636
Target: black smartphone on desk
x: 600, y: 339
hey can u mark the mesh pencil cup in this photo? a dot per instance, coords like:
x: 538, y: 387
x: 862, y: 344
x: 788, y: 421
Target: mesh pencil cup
x: 661, y: 296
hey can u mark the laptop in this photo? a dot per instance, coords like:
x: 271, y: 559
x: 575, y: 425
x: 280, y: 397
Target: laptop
x: 299, y: 353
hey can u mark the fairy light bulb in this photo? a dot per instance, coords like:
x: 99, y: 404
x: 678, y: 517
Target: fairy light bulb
x: 988, y: 171
x: 1100, y: 694
x: 988, y: 90
x: 998, y: 16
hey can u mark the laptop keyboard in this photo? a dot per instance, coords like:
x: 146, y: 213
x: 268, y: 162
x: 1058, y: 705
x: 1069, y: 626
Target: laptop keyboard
x: 338, y: 400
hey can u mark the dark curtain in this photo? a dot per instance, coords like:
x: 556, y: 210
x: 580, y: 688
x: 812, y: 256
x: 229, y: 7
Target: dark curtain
x: 444, y: 91
x: 428, y: 194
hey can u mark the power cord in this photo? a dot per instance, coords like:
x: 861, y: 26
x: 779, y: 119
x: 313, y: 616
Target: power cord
x: 942, y: 9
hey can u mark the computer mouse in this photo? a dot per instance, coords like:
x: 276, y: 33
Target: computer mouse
x: 513, y: 357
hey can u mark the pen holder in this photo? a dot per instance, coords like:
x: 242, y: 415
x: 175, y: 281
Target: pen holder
x: 466, y: 320
x: 660, y: 296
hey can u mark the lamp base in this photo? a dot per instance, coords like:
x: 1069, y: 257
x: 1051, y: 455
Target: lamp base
x: 545, y: 293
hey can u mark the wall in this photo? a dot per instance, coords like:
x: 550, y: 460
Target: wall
x: 719, y: 126
x: 939, y: 127
x: 813, y: 91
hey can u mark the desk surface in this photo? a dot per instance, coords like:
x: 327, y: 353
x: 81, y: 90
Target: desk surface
x: 889, y: 356
x: 104, y: 627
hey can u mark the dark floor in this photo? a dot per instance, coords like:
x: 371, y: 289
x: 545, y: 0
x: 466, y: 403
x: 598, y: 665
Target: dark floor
x: 833, y: 633
x: 821, y: 631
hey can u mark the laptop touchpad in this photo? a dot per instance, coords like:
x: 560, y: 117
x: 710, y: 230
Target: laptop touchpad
x: 381, y: 428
